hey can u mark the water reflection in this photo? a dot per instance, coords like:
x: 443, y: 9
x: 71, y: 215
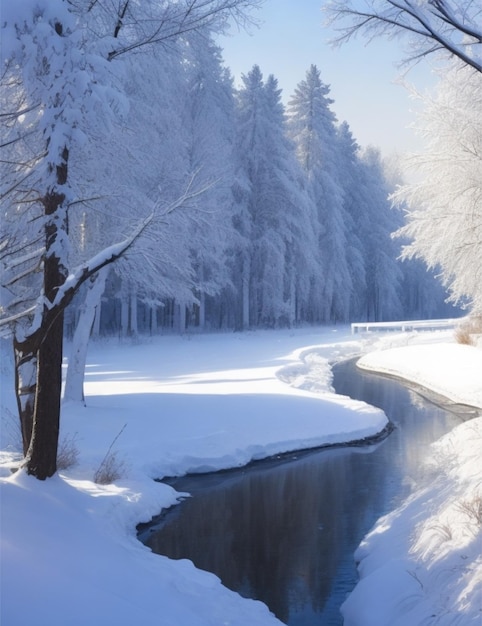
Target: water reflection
x: 285, y: 533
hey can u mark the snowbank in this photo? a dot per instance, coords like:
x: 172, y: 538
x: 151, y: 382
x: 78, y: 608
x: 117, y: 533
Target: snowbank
x: 449, y: 369
x: 67, y: 559
x: 422, y: 563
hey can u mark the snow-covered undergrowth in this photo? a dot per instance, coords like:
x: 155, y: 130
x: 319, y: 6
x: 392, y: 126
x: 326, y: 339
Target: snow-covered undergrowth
x: 210, y: 402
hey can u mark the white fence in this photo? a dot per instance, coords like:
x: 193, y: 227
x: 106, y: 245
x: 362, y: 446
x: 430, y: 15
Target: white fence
x: 404, y: 326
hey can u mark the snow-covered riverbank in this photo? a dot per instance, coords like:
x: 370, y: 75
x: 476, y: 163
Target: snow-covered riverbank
x: 422, y: 563
x: 189, y: 404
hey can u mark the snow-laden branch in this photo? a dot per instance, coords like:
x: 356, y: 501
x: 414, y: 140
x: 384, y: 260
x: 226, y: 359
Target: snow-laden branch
x: 92, y: 266
x: 107, y: 256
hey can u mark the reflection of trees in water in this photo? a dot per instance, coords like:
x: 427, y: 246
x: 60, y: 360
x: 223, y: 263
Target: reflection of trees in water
x: 275, y: 535
x: 286, y: 534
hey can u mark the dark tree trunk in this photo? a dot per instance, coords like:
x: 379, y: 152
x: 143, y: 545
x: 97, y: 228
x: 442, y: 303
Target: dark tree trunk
x: 43, y: 347
x: 41, y: 457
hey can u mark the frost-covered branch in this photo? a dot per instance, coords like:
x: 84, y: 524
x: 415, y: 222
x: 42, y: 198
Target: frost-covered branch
x: 443, y: 210
x: 7, y: 321
x: 107, y: 256
x: 174, y: 20
x: 436, y: 25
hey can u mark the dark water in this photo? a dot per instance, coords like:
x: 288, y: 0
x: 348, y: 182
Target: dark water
x: 284, y: 531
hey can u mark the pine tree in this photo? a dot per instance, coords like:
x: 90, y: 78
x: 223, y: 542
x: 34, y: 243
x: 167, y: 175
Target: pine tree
x: 312, y: 128
x: 275, y: 208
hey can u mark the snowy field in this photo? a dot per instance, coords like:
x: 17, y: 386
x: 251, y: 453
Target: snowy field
x: 204, y: 402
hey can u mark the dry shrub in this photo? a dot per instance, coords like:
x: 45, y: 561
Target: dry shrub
x: 11, y: 431
x: 469, y: 330
x: 443, y: 530
x: 68, y: 453
x: 473, y: 509
x: 112, y: 467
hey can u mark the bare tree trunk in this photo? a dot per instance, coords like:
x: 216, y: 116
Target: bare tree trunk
x: 202, y: 311
x: 134, y: 328
x: 41, y: 457
x: 25, y: 387
x: 182, y: 318
x: 74, y: 382
x: 124, y: 329
x: 245, y: 292
x: 153, y: 319
x: 292, y: 303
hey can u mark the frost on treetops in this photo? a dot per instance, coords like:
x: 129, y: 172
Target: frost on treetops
x: 63, y: 69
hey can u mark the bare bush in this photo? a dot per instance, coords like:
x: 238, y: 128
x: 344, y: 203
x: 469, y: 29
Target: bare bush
x: 112, y: 467
x: 11, y: 430
x: 443, y: 530
x: 473, y: 509
x: 469, y: 330
x: 68, y: 453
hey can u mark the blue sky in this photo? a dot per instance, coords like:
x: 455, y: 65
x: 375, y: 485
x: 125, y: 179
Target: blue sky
x: 362, y: 76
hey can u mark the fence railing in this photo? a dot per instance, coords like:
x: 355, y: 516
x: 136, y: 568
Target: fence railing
x: 406, y: 325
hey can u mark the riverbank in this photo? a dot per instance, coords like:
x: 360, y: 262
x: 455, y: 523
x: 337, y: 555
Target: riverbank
x: 422, y: 563
x: 190, y: 404
x: 451, y: 370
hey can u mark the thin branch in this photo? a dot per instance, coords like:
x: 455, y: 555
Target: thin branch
x: 406, y: 17
x: 175, y: 23
x: 21, y: 112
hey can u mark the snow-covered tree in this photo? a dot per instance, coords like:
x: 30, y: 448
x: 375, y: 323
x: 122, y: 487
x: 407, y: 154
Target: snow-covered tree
x: 59, y: 69
x: 448, y: 187
x: 312, y: 126
x: 383, y: 274
x: 275, y: 212
x: 208, y: 120
x: 357, y: 216
x: 444, y: 208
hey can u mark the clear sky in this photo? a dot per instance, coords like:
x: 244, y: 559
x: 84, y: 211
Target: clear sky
x: 362, y: 77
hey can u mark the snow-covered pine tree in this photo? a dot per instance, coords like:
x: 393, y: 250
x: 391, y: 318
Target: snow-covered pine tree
x: 383, y: 273
x: 357, y: 218
x: 312, y: 128
x: 276, y: 211
x: 208, y: 120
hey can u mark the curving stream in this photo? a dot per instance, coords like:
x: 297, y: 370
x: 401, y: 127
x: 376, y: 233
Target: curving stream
x: 284, y: 530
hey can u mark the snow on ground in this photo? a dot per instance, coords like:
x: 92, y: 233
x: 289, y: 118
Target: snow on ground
x: 451, y: 370
x: 178, y: 404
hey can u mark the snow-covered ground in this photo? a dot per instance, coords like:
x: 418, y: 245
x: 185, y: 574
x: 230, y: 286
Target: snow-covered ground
x: 193, y: 403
